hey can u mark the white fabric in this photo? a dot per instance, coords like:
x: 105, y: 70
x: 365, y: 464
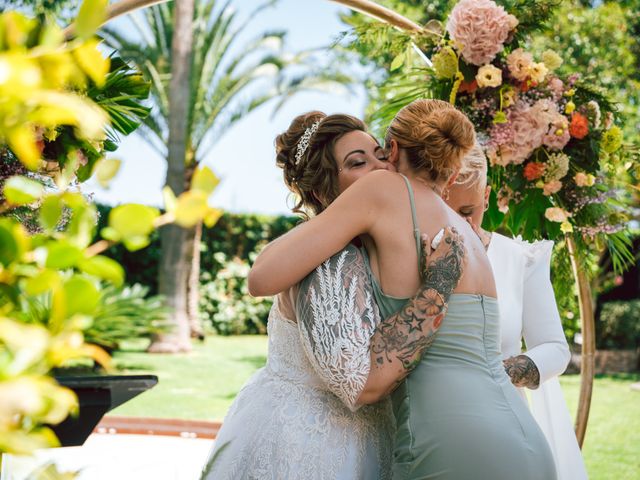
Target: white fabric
x: 288, y: 421
x: 528, y: 310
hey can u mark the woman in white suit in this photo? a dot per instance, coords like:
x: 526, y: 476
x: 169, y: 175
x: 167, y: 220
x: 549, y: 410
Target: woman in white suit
x: 527, y: 311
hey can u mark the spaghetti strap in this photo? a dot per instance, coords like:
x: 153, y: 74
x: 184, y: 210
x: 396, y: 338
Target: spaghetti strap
x: 414, y: 217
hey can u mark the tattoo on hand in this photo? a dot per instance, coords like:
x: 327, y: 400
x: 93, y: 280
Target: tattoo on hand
x: 522, y: 371
x: 405, y: 336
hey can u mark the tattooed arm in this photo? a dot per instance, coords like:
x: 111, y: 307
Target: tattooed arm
x: 400, y: 341
x: 522, y: 371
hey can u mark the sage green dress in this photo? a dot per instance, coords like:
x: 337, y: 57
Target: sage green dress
x: 458, y: 415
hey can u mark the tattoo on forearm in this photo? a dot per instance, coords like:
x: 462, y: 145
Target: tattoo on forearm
x: 522, y: 371
x: 405, y: 336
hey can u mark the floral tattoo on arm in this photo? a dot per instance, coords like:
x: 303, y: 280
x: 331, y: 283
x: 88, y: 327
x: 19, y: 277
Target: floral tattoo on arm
x: 522, y: 371
x: 404, y: 337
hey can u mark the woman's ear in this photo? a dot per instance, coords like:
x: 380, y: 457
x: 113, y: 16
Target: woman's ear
x: 393, y: 152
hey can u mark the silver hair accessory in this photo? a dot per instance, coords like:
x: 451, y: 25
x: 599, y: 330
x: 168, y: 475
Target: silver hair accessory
x: 303, y: 144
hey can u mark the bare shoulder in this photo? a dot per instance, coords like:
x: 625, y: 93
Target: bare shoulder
x: 380, y: 184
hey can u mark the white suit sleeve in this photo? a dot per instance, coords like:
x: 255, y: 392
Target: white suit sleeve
x: 337, y: 317
x: 541, y: 325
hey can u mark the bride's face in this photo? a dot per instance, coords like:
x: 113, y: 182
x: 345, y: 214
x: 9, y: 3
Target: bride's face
x: 357, y: 154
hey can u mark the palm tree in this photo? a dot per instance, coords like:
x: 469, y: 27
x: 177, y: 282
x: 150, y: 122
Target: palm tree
x: 227, y: 82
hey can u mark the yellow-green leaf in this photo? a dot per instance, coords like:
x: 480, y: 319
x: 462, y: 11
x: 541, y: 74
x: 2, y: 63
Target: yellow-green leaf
x: 131, y: 224
x: 81, y: 296
x: 103, y: 267
x: 212, y: 217
x: 398, y: 61
x: 10, y: 248
x: 91, y: 15
x: 62, y: 255
x: 106, y: 169
x: 191, y: 208
x: 22, y: 142
x: 169, y: 199
x: 92, y: 62
x: 22, y: 190
x: 50, y: 212
x: 43, y: 282
x: 204, y: 180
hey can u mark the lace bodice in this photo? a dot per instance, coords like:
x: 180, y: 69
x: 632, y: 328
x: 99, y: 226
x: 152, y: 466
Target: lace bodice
x: 297, y: 417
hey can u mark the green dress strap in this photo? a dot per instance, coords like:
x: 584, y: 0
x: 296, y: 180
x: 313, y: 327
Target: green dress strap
x: 388, y: 304
x: 414, y: 218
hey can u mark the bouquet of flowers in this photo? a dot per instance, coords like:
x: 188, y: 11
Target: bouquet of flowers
x: 555, y: 152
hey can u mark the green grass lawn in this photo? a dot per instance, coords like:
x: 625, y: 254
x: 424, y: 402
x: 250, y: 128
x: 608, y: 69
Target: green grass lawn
x: 201, y: 385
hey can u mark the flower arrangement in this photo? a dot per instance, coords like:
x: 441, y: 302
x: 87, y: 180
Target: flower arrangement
x: 552, y: 141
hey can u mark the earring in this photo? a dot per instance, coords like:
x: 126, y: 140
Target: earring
x: 445, y: 194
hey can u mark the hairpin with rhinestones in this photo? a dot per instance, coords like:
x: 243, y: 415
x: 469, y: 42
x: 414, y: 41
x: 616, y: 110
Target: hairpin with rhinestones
x: 303, y: 144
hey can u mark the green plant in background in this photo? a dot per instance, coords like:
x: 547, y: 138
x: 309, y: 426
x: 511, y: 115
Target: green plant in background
x: 619, y: 325
x: 125, y: 313
x: 51, y: 277
x: 582, y: 31
x: 228, y: 81
x: 225, y: 302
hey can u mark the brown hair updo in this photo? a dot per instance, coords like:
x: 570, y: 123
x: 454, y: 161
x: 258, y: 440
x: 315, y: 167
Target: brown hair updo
x: 435, y: 135
x: 313, y: 179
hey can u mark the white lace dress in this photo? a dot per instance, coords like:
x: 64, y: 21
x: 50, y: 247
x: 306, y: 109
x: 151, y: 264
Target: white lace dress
x: 297, y: 418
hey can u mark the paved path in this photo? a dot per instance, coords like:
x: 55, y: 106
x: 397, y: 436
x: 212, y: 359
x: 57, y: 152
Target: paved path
x: 121, y: 457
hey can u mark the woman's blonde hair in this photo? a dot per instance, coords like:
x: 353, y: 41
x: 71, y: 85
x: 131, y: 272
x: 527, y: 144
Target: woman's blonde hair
x: 473, y: 172
x: 435, y: 135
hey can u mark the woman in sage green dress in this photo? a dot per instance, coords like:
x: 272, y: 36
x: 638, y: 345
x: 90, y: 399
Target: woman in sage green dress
x: 458, y: 415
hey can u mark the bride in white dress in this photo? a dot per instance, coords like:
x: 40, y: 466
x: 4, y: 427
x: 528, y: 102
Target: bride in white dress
x: 303, y: 416
x: 527, y: 310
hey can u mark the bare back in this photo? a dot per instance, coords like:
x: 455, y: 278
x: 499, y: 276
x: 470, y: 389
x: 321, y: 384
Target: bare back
x: 394, y: 256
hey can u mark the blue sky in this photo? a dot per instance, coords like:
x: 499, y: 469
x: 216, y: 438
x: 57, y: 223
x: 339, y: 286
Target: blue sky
x: 244, y: 156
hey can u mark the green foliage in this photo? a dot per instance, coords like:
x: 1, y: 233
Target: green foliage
x: 619, y: 325
x: 233, y: 236
x: 225, y: 301
x: 125, y: 313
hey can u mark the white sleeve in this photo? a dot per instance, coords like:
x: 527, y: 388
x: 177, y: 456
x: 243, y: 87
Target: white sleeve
x: 541, y: 325
x: 337, y: 317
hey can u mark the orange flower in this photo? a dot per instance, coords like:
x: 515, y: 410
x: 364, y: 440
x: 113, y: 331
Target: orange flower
x: 533, y: 170
x: 468, y: 87
x: 579, y: 127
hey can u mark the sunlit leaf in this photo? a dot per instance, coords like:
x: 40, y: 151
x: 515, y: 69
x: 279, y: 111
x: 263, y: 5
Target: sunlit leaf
x: 22, y: 190
x: 106, y: 169
x: 92, y: 62
x: 91, y: 15
x: 103, y: 267
x: 81, y: 295
x: 50, y: 212
x: 45, y: 281
x: 191, y: 208
x: 212, y: 217
x: 22, y: 142
x: 62, y: 255
x: 204, y: 180
x: 10, y: 249
x: 170, y: 200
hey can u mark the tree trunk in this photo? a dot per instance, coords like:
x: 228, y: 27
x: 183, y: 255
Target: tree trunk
x: 193, y: 289
x: 174, y: 266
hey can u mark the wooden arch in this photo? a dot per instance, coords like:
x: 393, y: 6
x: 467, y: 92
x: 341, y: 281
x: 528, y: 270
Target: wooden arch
x: 585, y: 297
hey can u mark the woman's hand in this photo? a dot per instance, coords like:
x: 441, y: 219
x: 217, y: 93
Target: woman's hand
x: 485, y: 237
x: 522, y: 371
